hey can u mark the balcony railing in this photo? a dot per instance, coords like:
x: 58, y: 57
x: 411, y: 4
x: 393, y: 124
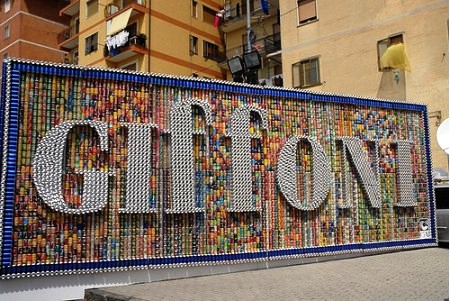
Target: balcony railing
x: 68, y: 38
x: 216, y: 56
x: 71, y: 31
x: 114, y: 7
x: 272, y: 43
x: 134, y: 45
x: 233, y: 13
x: 265, y: 45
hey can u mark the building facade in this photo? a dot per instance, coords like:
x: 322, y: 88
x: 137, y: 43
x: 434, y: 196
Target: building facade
x: 265, y: 36
x: 386, y: 49
x: 174, y: 37
x: 32, y: 29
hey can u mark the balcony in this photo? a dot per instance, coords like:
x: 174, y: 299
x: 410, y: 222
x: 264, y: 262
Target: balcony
x: 72, y: 9
x: 69, y: 37
x: 135, y: 45
x: 235, y: 18
x: 219, y: 57
x: 266, y: 46
x: 113, y: 9
x: 272, y: 43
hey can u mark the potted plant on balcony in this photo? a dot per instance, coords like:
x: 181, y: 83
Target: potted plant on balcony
x: 141, y: 39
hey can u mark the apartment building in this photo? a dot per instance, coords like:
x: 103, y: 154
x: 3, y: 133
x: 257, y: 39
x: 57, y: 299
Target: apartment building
x: 265, y: 36
x: 174, y: 37
x: 32, y: 29
x: 387, y: 49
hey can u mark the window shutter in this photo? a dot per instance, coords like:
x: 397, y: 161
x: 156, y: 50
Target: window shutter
x: 306, y: 10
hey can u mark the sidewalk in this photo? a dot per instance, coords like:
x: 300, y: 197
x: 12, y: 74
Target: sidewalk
x: 421, y: 274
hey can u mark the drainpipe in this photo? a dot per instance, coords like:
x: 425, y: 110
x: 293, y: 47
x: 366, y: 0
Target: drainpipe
x: 249, y: 28
x: 149, y: 32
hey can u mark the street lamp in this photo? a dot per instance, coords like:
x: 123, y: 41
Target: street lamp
x: 252, y: 62
x: 237, y: 69
x: 246, y: 69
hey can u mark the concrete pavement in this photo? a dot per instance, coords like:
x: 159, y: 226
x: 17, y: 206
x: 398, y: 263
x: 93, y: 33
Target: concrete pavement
x: 420, y: 274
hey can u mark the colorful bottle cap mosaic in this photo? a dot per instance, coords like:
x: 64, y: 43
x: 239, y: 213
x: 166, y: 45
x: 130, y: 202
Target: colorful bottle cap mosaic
x: 105, y: 170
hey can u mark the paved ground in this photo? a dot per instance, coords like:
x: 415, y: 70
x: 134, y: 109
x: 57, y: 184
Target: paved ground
x: 421, y: 274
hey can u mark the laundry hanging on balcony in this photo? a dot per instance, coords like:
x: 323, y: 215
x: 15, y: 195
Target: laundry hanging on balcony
x: 218, y: 18
x: 117, y: 40
x: 395, y: 58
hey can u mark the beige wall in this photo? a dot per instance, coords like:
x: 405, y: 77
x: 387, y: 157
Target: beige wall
x: 167, y: 25
x: 262, y: 25
x: 346, y: 42
x: 88, y: 26
x: 171, y: 26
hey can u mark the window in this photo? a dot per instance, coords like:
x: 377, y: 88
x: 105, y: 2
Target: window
x: 244, y: 7
x: 384, y: 44
x: 7, y: 5
x: 91, y: 43
x: 131, y: 29
x: 75, y: 57
x: 194, y: 12
x: 208, y: 15
x: 132, y: 66
x: 442, y: 197
x: 76, y: 26
x: 306, y: 73
x: 306, y: 11
x: 91, y: 7
x: 210, y: 51
x: 193, y: 45
x: 6, y: 31
x: 277, y: 78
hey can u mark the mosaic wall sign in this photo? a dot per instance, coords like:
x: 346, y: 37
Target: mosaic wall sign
x: 107, y: 170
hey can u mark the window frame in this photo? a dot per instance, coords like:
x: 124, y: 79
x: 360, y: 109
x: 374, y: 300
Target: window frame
x: 91, y: 42
x: 6, y: 31
x: 206, y: 53
x: 75, y: 57
x: 384, y: 44
x: 302, y: 83
x: 193, y: 45
x: 90, y: 11
x: 194, y: 9
x: 210, y: 12
x: 314, y: 18
x: 7, y: 5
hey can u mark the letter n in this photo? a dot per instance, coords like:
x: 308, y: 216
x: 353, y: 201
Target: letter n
x: 368, y: 176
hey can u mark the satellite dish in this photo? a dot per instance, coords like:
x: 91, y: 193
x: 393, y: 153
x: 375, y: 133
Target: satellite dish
x: 443, y: 136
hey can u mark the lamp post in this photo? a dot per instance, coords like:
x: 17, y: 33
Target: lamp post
x: 251, y: 76
x: 245, y: 70
x: 249, y: 28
